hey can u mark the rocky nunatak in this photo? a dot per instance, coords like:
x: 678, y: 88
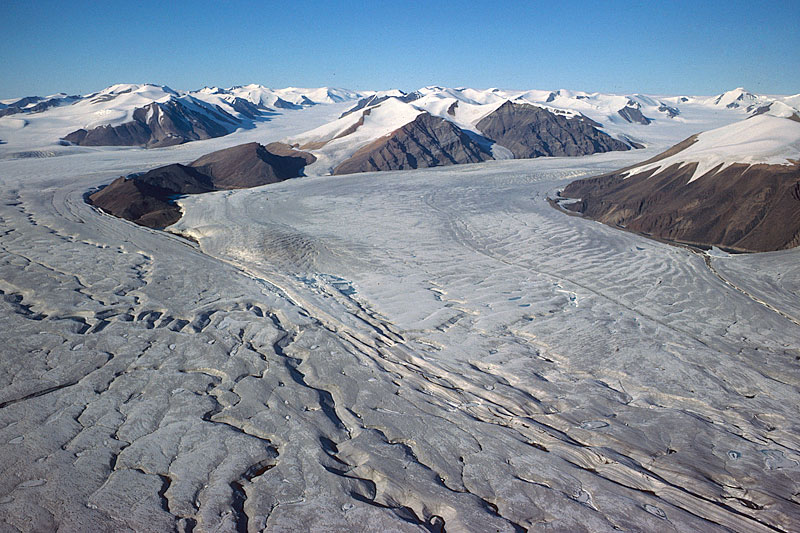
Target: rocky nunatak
x: 149, y: 199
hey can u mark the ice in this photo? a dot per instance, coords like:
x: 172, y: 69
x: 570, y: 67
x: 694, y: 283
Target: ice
x: 351, y: 353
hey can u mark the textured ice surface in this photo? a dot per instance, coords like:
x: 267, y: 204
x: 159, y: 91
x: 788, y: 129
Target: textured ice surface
x: 403, y: 351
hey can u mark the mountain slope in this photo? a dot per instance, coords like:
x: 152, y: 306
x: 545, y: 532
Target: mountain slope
x: 35, y: 104
x: 252, y: 165
x: 427, y: 141
x: 531, y: 131
x: 736, y: 187
x: 160, y: 124
x: 153, y: 116
x: 356, y: 142
x: 148, y: 199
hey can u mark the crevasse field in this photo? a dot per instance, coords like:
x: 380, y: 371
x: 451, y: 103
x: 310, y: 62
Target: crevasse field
x: 403, y: 351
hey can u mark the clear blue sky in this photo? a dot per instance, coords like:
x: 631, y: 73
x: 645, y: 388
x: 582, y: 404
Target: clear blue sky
x: 697, y: 47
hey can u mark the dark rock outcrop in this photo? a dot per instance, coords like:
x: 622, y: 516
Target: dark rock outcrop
x: 251, y: 165
x: 767, y: 108
x: 369, y: 101
x: 148, y: 199
x: 138, y: 202
x: 633, y: 113
x: 166, y: 124
x: 283, y: 104
x: 349, y: 131
x: 671, y: 112
x: 752, y: 208
x: 427, y: 141
x: 531, y: 131
x: 35, y: 104
x: 178, y: 179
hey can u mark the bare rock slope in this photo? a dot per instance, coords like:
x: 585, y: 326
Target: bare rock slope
x: 427, y: 141
x: 744, y: 206
x: 252, y: 165
x: 148, y: 199
x: 159, y: 124
x: 532, y: 131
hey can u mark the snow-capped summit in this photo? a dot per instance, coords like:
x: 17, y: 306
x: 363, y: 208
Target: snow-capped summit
x: 321, y: 95
x: 738, y: 97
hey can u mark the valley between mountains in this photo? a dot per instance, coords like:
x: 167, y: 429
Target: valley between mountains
x: 410, y: 349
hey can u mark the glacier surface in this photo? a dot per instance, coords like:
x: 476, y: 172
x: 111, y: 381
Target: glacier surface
x: 402, y: 351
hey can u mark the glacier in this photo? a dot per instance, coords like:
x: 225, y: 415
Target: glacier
x: 398, y: 351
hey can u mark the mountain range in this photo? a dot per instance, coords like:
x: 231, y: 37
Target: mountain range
x: 154, y: 116
x: 732, y: 182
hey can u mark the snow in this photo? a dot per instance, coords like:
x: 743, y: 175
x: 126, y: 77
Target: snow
x: 381, y: 120
x: 791, y: 101
x: 736, y: 97
x: 321, y: 95
x: 382, y: 352
x: 697, y: 114
x: 115, y: 105
x: 783, y: 109
x: 763, y: 139
x: 12, y: 123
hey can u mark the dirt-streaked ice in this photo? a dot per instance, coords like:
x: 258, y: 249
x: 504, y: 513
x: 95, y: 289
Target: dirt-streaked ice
x: 401, y: 351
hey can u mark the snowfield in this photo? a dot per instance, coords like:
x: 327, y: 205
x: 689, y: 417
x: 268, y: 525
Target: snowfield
x: 397, y: 351
x: 762, y: 139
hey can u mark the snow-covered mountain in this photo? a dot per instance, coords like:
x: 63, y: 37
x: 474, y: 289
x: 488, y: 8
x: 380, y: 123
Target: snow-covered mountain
x: 761, y: 140
x: 154, y: 115
x: 34, y: 104
x: 629, y: 121
x: 737, y: 186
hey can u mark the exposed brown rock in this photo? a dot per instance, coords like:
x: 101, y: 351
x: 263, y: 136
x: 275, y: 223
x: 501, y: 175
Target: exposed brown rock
x: 427, y: 141
x: 251, y: 165
x: 355, y: 126
x: 287, y: 150
x: 178, y: 179
x: 316, y: 145
x: 138, y: 202
x: 746, y: 208
x: 148, y: 199
x: 633, y: 113
x: 531, y: 131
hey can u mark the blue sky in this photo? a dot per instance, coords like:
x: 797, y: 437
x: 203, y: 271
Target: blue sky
x: 694, y: 47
